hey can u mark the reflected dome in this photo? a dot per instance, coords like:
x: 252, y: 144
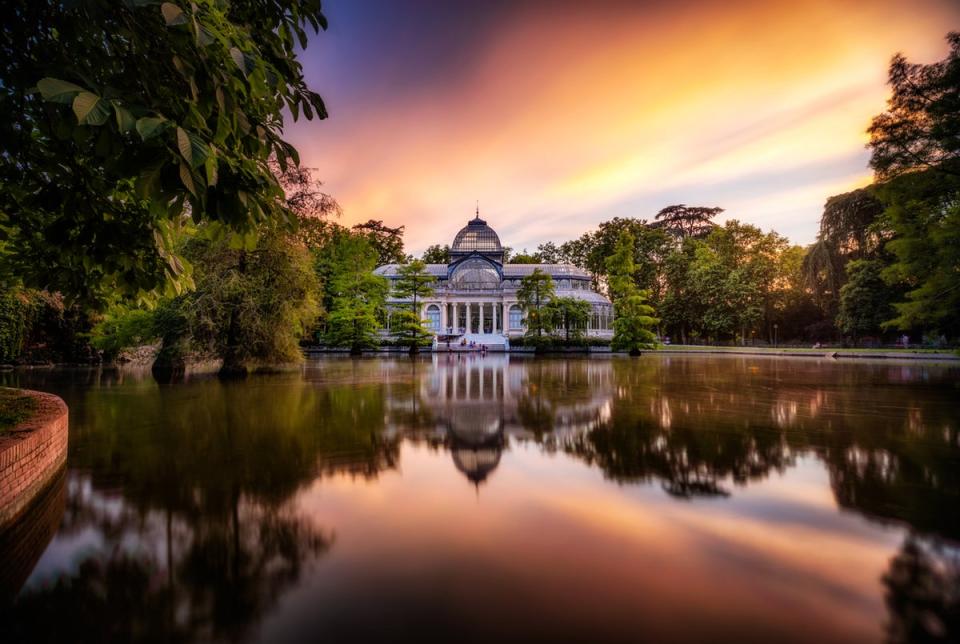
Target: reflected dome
x: 476, y: 464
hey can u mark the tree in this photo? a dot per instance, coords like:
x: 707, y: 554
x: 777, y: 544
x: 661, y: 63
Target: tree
x: 850, y: 228
x: 633, y: 317
x: 357, y: 294
x: 536, y: 290
x: 550, y: 253
x: 570, y: 315
x: 921, y: 126
x: 524, y: 257
x: 864, y: 300
x: 924, y: 213
x: 388, y: 242
x: 436, y: 254
x: 249, y: 305
x: 414, y: 283
x: 914, y: 152
x: 123, y: 118
x: 687, y: 221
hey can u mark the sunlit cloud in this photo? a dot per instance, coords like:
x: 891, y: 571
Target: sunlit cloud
x: 558, y: 117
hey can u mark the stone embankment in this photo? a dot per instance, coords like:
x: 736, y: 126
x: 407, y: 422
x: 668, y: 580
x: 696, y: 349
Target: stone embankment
x: 32, y: 454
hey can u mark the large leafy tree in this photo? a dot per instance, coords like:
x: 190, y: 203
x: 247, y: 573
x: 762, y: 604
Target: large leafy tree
x: 570, y: 316
x: 920, y: 130
x: 412, y: 284
x: 688, y: 221
x: 358, y: 296
x: 387, y: 241
x: 864, y: 299
x: 536, y: 290
x: 851, y: 228
x: 436, y: 254
x: 123, y: 117
x: 249, y: 307
x: 633, y: 317
x: 915, y: 148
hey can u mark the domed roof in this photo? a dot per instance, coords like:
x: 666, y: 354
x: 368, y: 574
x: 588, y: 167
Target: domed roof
x: 476, y: 236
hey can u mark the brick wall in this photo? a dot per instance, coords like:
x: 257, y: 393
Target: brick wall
x: 31, y: 455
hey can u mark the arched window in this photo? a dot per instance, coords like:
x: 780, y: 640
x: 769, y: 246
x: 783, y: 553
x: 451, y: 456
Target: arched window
x: 516, y: 317
x: 564, y: 283
x: 433, y: 314
x: 475, y: 274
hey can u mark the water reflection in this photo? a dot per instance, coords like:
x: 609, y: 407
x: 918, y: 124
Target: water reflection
x: 330, y: 502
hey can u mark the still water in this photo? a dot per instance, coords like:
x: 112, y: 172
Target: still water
x: 477, y: 499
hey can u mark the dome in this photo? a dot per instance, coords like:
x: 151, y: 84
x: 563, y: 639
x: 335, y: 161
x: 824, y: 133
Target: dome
x: 476, y: 236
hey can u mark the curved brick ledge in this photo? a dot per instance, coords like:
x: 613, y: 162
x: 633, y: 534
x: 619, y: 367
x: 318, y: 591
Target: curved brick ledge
x: 31, y: 455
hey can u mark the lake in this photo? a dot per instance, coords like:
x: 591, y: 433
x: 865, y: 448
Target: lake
x: 493, y: 498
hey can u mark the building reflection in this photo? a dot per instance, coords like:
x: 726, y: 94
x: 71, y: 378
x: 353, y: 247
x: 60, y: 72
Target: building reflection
x: 475, y: 406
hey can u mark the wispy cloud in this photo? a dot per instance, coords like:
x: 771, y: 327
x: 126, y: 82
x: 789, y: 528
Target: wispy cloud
x: 559, y: 116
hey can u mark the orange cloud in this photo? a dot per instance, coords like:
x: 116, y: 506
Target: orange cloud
x: 565, y: 118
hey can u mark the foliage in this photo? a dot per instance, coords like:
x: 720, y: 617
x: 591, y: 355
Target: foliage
x: 413, y: 283
x: 920, y: 129
x: 651, y: 248
x: 850, y: 228
x: 570, y: 316
x: 536, y: 290
x: 864, y: 299
x: 358, y: 296
x: 122, y: 118
x: 39, y: 327
x: 436, y: 254
x: 388, y: 242
x: 122, y: 327
x: 525, y: 257
x: 924, y: 214
x: 687, y: 221
x: 249, y: 306
x: 914, y: 150
x: 15, y: 317
x: 633, y: 317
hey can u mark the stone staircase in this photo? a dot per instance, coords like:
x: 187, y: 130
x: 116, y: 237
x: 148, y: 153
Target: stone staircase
x: 492, y: 341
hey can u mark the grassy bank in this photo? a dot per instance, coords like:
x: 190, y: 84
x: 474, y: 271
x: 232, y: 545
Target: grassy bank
x: 15, y: 407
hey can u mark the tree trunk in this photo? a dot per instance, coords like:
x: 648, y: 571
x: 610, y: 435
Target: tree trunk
x: 234, y: 365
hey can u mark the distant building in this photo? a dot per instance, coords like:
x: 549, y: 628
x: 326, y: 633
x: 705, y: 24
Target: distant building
x: 476, y: 293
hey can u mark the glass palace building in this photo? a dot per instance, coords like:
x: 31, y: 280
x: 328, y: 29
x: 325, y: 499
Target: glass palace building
x: 475, y: 296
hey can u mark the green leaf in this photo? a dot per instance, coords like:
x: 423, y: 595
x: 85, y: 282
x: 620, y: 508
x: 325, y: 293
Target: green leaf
x: 187, y: 178
x: 211, y: 167
x: 192, y: 147
x: 173, y: 14
x: 149, y: 126
x: 90, y: 109
x: 58, y: 91
x: 240, y: 59
x: 125, y: 120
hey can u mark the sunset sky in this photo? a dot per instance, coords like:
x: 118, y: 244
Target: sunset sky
x: 559, y: 115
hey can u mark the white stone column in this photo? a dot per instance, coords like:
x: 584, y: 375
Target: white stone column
x: 480, y: 326
x: 468, y: 306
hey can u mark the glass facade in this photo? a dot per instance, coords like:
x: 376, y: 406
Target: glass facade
x: 475, y: 274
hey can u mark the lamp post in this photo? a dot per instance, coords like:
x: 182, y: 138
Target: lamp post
x: 775, y: 327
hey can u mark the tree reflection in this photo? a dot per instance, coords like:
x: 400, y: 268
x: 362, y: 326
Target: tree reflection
x: 161, y: 577
x: 923, y: 592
